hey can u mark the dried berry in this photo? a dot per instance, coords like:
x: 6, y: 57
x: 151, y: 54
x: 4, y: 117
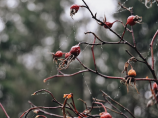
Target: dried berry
x: 132, y: 73
x: 75, y: 50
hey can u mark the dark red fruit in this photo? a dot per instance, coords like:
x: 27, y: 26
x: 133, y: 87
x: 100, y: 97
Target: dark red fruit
x: 131, y: 21
x: 67, y: 54
x: 108, y: 24
x: 76, y: 7
x: 58, y: 54
x: 75, y: 50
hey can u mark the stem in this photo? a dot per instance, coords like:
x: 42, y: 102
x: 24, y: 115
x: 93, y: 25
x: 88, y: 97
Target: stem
x: 4, y: 110
x: 93, y: 54
x: 94, y: 17
x: 115, y: 107
x: 123, y: 32
x: 106, y: 108
x: 64, y: 75
x: 151, y: 46
x: 41, y: 107
x: 118, y: 103
x: 49, y: 93
x: 102, y: 106
x: 133, y: 37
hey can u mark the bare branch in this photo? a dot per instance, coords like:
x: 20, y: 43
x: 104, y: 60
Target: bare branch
x: 4, y: 110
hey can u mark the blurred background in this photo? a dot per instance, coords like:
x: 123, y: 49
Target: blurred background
x: 30, y: 29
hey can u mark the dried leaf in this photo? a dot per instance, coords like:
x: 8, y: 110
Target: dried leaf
x: 125, y: 67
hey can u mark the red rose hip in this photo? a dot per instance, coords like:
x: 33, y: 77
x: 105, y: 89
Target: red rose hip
x: 74, y: 9
x: 67, y: 54
x: 58, y: 54
x: 132, y: 20
x: 75, y: 50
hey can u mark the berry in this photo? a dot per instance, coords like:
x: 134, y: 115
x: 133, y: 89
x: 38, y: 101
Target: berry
x: 132, y: 73
x: 105, y: 115
x: 155, y: 87
x: 132, y: 20
x: 75, y: 50
x: 108, y: 24
x: 67, y: 54
x: 58, y: 54
x: 74, y: 9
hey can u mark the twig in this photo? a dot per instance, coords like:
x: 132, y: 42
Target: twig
x: 65, y: 75
x: 134, y: 57
x: 92, y: 47
x: 4, y: 110
x: 49, y: 93
x: 133, y: 36
x: 118, y: 103
x: 42, y: 107
x: 121, y: 113
x: 151, y: 46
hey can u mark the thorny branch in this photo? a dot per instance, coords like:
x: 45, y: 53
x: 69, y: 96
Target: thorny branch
x: 85, y: 113
x: 105, y: 95
x: 71, y: 106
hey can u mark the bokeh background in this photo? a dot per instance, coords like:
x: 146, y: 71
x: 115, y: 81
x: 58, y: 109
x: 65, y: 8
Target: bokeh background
x: 30, y: 29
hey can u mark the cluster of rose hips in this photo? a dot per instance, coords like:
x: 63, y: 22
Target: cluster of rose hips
x: 69, y: 56
x: 131, y: 20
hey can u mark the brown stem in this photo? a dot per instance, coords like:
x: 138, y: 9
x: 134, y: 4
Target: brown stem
x: 115, y: 107
x: 123, y: 32
x: 118, y: 103
x: 122, y: 24
x: 64, y: 75
x: 92, y: 47
x: 133, y: 37
x: 94, y: 17
x: 49, y: 93
x: 4, y: 110
x: 145, y: 61
x: 106, y: 108
x: 64, y: 114
x: 94, y: 36
x: 134, y: 57
x: 102, y: 106
x: 41, y: 107
x: 151, y: 46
